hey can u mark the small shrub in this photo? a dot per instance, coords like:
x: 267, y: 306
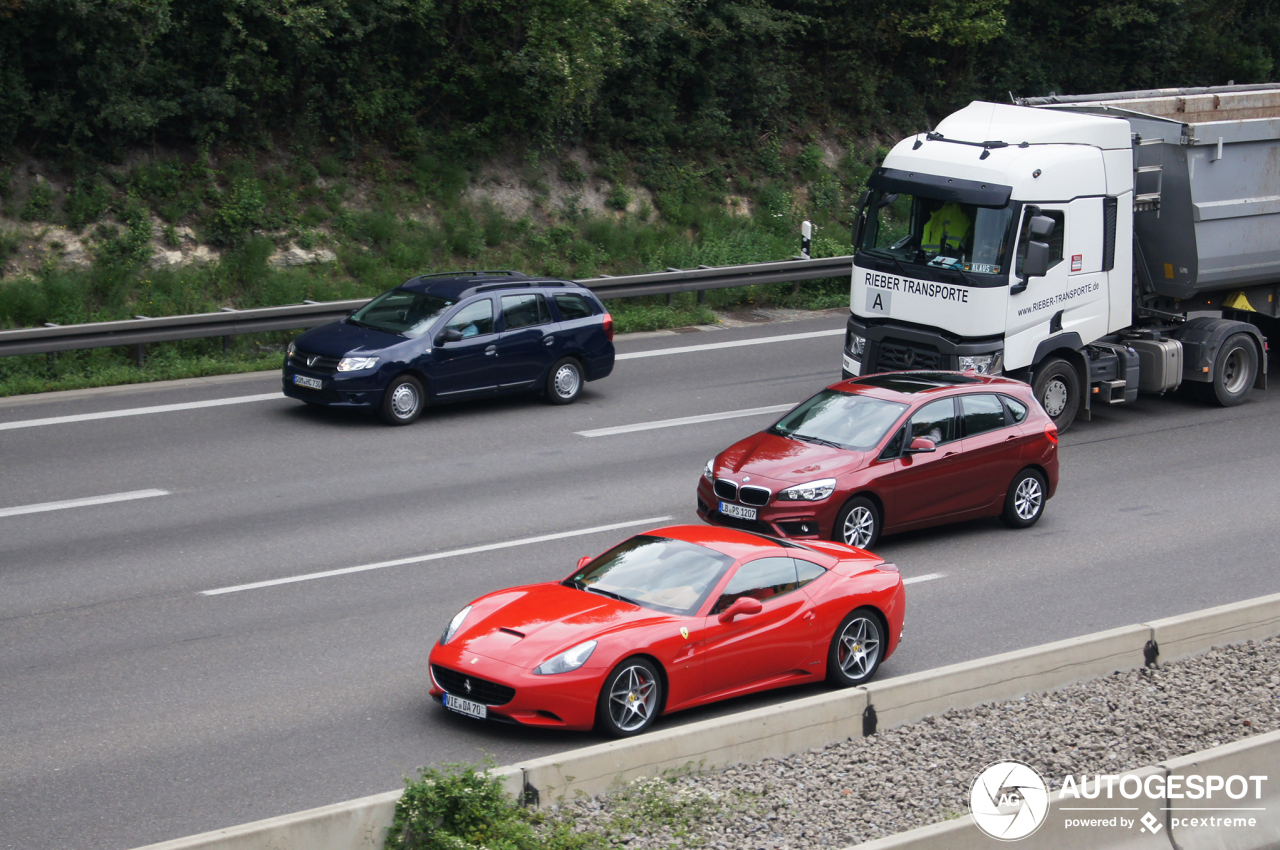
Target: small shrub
x: 458, y: 808
x: 39, y: 203
x: 330, y: 166
x: 809, y: 162
x: 618, y: 198
x: 572, y: 172
x: 241, y: 208
x: 86, y: 202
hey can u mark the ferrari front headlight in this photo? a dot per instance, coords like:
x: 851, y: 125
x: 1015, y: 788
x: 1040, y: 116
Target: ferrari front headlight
x: 570, y: 659
x: 454, y: 624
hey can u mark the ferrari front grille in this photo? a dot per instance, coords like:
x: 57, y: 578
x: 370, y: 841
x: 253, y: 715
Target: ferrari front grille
x: 471, y: 687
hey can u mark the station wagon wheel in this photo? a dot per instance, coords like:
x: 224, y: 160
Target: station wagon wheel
x: 402, y: 401
x: 630, y: 699
x: 856, y: 649
x: 858, y: 523
x: 564, y: 381
x: 1024, y: 503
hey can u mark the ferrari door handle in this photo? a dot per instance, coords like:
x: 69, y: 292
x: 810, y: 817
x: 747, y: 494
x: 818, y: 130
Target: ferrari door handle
x: 492, y: 350
x: 808, y: 615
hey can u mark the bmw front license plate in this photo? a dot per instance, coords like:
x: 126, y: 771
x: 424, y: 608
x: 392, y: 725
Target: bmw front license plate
x: 737, y: 511
x: 304, y: 381
x: 466, y: 706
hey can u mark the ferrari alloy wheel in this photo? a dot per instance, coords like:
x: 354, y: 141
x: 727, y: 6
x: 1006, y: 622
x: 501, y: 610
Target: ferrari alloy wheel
x: 630, y: 699
x: 856, y: 649
x: 858, y: 523
x: 564, y: 382
x: 402, y: 402
x: 1024, y: 502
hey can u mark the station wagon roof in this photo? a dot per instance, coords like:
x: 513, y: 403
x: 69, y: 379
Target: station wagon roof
x: 459, y: 285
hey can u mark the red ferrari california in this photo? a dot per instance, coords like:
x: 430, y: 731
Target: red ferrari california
x: 669, y: 619
x: 887, y: 453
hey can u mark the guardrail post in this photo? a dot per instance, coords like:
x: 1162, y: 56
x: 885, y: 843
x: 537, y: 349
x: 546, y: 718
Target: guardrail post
x: 806, y: 239
x: 138, y: 354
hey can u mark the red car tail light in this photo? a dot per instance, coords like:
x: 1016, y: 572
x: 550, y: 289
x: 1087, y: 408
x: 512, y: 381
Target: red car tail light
x: 887, y: 567
x: 608, y: 326
x: 1051, y: 432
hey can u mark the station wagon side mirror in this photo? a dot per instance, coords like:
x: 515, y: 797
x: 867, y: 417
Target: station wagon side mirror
x: 921, y: 445
x: 448, y: 335
x: 743, y: 606
x: 583, y: 561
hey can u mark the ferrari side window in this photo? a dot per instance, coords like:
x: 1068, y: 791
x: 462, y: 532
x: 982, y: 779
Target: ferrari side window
x: 807, y: 572
x: 762, y: 579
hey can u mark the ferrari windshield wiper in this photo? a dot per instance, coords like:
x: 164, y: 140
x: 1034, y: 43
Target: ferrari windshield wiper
x: 609, y: 593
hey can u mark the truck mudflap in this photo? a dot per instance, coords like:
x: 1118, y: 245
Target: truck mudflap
x: 1201, y: 339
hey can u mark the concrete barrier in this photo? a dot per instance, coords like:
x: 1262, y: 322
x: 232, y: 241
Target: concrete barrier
x: 1255, y: 756
x: 1007, y: 676
x: 776, y: 730
x: 1197, y: 632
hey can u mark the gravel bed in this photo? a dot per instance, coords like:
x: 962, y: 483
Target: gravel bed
x: 913, y: 775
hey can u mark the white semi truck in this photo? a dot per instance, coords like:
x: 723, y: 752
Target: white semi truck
x: 1092, y: 246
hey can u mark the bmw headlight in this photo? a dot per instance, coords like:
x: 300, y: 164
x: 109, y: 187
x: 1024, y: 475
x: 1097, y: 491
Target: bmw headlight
x: 570, y: 659
x: 355, y: 364
x: 813, y: 491
x: 706, y: 470
x: 454, y: 624
x: 983, y: 364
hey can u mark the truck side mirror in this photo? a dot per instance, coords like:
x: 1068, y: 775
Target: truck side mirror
x: 1041, y: 227
x: 1035, y: 264
x: 860, y: 220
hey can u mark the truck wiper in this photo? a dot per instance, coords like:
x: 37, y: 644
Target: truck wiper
x: 881, y: 252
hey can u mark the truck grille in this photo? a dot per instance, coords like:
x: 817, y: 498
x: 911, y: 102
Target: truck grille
x: 898, y: 355
x: 471, y: 687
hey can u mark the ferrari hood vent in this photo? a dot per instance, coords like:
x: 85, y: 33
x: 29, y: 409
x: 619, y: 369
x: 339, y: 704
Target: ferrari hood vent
x: 512, y: 632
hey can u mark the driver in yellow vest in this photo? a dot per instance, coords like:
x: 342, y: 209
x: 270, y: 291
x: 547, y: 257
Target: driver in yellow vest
x: 946, y: 230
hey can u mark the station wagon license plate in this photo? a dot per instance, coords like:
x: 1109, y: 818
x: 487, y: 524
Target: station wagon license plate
x: 737, y: 511
x: 304, y: 381
x: 466, y: 706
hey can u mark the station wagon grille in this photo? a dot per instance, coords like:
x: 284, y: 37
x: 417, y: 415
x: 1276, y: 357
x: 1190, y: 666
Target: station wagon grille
x: 897, y: 355
x: 314, y: 362
x: 472, y: 688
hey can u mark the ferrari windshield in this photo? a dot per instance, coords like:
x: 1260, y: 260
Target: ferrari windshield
x: 655, y: 572
x: 842, y: 420
x: 946, y: 234
x: 401, y: 311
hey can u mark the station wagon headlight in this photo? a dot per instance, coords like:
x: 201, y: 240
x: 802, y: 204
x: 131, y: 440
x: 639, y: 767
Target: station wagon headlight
x: 570, y: 659
x: 814, y: 491
x: 454, y: 624
x: 355, y: 364
x: 292, y: 348
x: 706, y: 470
x: 983, y: 364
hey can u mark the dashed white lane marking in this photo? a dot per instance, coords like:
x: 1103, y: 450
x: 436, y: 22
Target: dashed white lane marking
x: 925, y: 577
x: 136, y: 411
x: 81, y: 503
x: 737, y: 343
x: 684, y: 420
x: 434, y: 556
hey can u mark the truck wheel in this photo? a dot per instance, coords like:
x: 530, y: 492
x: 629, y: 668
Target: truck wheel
x: 1234, y: 372
x: 1057, y: 388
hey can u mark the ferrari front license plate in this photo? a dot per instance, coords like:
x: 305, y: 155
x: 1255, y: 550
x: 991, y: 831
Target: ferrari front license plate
x: 466, y: 706
x: 737, y: 511
x: 304, y: 381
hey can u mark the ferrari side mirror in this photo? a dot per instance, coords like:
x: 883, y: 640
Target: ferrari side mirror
x: 742, y: 606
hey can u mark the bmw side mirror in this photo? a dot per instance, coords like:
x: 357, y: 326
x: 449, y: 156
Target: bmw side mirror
x: 921, y: 445
x: 743, y: 606
x: 448, y: 335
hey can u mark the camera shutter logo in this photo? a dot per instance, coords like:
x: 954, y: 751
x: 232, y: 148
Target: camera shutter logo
x: 1009, y: 800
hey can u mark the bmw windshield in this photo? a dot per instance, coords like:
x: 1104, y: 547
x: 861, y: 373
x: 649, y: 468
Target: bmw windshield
x: 401, y: 311
x: 942, y: 234
x: 841, y: 420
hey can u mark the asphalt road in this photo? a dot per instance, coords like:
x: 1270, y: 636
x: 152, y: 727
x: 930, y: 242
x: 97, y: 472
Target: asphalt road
x: 136, y: 708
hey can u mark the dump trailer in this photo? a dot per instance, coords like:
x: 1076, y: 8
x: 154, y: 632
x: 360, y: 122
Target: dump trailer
x: 1094, y: 246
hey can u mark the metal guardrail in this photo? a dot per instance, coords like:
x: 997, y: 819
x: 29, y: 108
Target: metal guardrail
x: 228, y: 322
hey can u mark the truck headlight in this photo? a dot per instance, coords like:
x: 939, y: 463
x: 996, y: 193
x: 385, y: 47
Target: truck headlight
x: 355, y: 364
x: 983, y: 364
x: 856, y: 345
x: 814, y: 491
x: 570, y: 659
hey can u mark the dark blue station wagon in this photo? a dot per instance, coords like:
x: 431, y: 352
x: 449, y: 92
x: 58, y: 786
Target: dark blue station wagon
x: 455, y: 336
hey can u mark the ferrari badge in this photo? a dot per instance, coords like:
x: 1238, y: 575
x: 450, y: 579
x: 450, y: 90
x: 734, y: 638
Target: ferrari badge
x: 684, y: 633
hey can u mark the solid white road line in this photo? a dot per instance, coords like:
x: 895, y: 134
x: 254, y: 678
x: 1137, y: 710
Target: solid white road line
x: 925, y: 577
x: 434, y: 556
x: 737, y: 343
x: 80, y: 503
x: 136, y: 411
x: 684, y: 420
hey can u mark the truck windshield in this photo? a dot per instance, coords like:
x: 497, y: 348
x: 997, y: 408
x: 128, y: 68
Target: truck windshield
x: 943, y: 234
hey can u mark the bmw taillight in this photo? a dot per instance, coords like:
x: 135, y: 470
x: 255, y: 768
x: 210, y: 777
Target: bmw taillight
x: 608, y: 326
x: 1051, y: 433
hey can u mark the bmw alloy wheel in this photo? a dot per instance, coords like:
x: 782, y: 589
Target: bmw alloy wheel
x: 859, y: 526
x: 1028, y: 498
x: 633, y: 698
x: 859, y: 648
